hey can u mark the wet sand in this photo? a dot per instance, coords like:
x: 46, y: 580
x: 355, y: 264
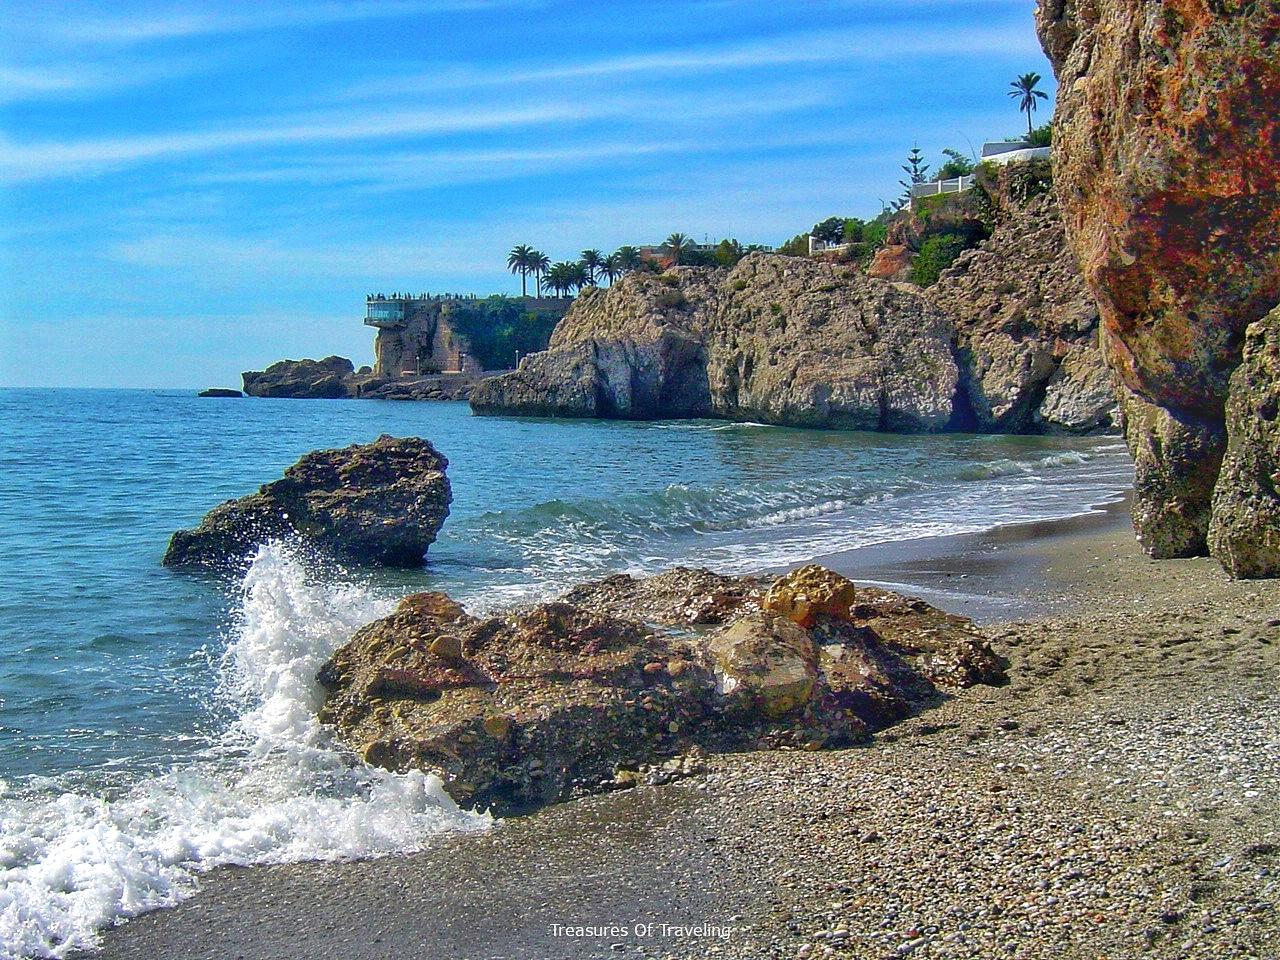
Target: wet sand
x: 1120, y: 797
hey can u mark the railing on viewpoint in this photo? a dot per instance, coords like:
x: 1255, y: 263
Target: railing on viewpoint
x: 958, y: 185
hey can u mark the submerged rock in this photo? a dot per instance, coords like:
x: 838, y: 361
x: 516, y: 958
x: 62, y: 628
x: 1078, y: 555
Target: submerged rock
x: 378, y: 503
x: 1245, y: 531
x: 573, y: 696
x: 327, y: 379
x: 1167, y: 163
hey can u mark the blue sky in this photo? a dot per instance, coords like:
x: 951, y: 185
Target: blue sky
x: 189, y: 191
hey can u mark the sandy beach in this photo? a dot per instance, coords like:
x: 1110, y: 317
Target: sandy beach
x: 1118, y: 798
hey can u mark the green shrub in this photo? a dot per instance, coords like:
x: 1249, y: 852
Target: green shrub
x: 497, y: 327
x: 936, y: 254
x: 670, y: 298
x: 797, y: 246
x: 739, y: 285
x: 1042, y: 136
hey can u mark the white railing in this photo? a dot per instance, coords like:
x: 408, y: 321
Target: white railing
x: 958, y: 185
x: 821, y: 246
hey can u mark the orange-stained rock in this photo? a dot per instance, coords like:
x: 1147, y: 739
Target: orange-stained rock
x: 812, y: 590
x: 1166, y: 151
x: 892, y: 263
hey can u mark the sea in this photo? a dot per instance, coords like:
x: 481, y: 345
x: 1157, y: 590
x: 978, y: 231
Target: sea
x: 156, y: 724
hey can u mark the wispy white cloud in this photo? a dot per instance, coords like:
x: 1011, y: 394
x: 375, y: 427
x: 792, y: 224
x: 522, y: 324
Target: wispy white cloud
x: 828, y: 47
x: 51, y: 159
x: 180, y: 23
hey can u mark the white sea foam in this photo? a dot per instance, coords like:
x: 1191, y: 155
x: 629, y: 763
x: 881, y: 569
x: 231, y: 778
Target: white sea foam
x: 270, y: 789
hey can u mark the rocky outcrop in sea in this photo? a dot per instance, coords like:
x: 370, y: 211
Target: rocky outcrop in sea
x: 327, y: 379
x: 1167, y: 162
x: 377, y: 503
x: 1005, y: 341
x: 623, y: 679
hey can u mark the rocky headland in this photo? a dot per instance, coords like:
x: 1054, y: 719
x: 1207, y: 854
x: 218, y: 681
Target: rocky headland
x: 377, y: 503
x: 1005, y: 341
x: 620, y: 680
x: 1166, y: 154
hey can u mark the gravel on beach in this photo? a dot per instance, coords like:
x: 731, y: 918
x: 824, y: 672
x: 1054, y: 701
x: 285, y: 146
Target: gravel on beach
x: 1119, y: 798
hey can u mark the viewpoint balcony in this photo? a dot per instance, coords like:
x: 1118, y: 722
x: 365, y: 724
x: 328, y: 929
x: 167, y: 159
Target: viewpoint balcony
x: 384, y: 314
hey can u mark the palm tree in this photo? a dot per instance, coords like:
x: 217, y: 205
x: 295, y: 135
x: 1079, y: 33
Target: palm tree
x: 578, y: 275
x: 520, y: 261
x: 611, y: 267
x: 539, y: 264
x: 591, y: 261
x: 1025, y: 92
x: 628, y: 258
x: 562, y: 277
x: 676, y: 245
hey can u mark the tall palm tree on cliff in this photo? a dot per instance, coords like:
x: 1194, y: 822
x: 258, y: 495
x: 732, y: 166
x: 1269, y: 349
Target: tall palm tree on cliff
x: 1025, y: 92
x: 676, y: 245
x: 539, y: 264
x: 519, y: 260
x: 579, y: 276
x: 611, y: 267
x: 591, y: 261
x: 628, y: 258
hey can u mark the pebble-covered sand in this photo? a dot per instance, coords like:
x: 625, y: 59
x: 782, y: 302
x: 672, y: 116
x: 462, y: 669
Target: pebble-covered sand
x: 1119, y: 798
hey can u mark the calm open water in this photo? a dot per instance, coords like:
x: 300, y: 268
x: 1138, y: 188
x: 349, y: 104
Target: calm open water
x: 154, y: 724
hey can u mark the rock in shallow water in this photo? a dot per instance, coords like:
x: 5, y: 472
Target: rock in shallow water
x: 547, y: 703
x: 377, y: 503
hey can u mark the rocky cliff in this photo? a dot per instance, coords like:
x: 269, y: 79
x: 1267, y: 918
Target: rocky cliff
x: 1167, y: 160
x: 1026, y: 326
x: 776, y: 339
x: 1005, y: 341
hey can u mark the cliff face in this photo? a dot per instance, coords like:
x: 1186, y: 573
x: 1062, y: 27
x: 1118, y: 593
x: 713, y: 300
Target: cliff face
x: 1167, y: 160
x: 776, y: 339
x: 1026, y: 327
x: 1005, y: 341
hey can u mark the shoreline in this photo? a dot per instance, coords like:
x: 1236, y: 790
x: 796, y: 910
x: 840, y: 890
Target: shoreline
x: 769, y: 843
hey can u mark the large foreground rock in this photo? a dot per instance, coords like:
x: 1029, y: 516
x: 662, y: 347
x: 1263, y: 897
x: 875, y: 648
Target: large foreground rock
x: 377, y: 503
x: 576, y: 695
x: 776, y: 339
x: 327, y: 379
x: 1167, y: 163
x: 1245, y: 532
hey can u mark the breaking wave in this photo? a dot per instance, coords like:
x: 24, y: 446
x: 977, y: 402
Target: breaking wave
x: 271, y: 787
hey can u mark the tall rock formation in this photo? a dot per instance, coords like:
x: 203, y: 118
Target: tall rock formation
x: 1245, y: 531
x: 1167, y: 162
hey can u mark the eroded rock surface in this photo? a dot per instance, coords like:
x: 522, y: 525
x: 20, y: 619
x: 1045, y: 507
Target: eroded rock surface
x: 1167, y: 164
x: 1245, y: 531
x: 377, y: 503
x: 568, y: 697
x: 1027, y: 327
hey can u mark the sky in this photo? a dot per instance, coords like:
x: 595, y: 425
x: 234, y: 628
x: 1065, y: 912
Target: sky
x: 189, y: 191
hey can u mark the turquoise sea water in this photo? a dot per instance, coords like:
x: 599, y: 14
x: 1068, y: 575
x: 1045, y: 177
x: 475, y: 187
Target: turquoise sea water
x: 154, y: 724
